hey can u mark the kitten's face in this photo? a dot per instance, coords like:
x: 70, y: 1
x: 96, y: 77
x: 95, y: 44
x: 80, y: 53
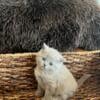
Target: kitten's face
x: 48, y: 57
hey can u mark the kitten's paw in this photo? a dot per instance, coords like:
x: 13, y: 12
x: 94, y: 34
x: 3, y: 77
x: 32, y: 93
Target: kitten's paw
x: 48, y: 98
x: 39, y: 93
x: 43, y: 98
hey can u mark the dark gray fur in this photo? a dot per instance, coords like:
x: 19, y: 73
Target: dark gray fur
x: 63, y: 24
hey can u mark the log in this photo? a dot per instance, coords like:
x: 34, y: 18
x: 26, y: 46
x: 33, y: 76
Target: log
x: 17, y: 81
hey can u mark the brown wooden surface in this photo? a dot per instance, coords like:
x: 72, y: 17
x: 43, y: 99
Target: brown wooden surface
x: 17, y: 81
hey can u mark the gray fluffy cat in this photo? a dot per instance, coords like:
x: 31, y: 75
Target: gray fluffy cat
x: 63, y: 24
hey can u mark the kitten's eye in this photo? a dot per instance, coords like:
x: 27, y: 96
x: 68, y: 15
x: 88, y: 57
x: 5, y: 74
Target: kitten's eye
x: 50, y: 63
x: 43, y: 59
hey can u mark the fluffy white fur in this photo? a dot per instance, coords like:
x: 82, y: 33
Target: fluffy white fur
x: 98, y: 2
x: 55, y: 81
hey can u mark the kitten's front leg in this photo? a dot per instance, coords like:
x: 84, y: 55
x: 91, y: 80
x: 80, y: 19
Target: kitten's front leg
x: 39, y: 92
x: 48, y: 94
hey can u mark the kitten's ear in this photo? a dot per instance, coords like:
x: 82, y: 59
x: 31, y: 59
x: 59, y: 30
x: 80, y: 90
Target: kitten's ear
x: 45, y: 46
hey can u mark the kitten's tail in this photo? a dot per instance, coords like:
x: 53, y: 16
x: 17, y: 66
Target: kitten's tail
x: 83, y: 79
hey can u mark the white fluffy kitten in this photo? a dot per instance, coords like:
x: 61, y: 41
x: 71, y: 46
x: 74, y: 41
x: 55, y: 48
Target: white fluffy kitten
x: 55, y: 81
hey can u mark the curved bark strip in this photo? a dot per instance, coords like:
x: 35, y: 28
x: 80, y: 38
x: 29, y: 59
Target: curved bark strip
x: 17, y: 81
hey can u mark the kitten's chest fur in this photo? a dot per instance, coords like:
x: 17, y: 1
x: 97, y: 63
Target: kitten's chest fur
x: 52, y: 75
x: 48, y: 72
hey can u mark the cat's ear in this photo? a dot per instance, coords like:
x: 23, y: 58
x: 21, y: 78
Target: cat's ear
x: 45, y: 46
